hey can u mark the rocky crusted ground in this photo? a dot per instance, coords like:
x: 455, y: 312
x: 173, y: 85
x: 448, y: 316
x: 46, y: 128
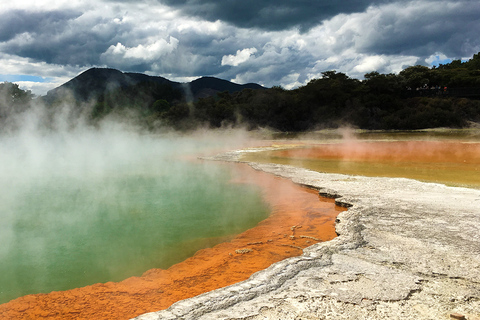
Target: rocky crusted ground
x: 405, y: 250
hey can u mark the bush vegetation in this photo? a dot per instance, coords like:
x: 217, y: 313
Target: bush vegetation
x: 416, y: 98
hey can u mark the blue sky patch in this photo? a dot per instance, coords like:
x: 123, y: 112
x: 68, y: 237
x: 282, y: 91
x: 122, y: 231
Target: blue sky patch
x: 21, y: 77
x: 438, y: 62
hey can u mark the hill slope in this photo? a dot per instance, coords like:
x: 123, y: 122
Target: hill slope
x: 96, y: 82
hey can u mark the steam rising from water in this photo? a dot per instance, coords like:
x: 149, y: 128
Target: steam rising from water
x: 81, y: 205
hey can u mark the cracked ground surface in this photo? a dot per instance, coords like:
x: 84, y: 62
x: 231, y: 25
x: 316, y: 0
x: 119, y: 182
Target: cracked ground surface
x: 405, y: 250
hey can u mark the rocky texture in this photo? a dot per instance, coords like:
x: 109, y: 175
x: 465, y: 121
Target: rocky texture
x: 405, y: 250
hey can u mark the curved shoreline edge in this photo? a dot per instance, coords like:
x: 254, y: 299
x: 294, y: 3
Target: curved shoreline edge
x: 406, y: 249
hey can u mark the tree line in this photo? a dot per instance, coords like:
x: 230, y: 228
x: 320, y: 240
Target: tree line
x: 418, y: 97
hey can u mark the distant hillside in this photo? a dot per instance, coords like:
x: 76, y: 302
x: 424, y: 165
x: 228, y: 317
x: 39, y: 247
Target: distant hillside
x: 209, y: 86
x: 95, y: 83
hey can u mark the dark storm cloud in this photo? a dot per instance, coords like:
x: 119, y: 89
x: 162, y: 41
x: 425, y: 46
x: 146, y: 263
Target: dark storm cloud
x: 83, y: 49
x: 270, y: 14
x: 421, y: 30
x: 15, y: 22
x: 55, y: 37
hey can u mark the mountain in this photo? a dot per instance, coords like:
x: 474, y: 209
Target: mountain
x: 96, y: 82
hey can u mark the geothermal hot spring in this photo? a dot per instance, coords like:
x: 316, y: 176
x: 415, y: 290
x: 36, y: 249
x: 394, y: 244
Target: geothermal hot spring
x: 450, y: 157
x: 81, y: 206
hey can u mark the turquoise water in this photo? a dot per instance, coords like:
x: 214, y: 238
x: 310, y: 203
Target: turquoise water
x: 81, y: 208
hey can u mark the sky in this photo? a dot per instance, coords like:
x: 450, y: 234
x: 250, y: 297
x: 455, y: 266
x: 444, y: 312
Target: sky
x: 44, y: 43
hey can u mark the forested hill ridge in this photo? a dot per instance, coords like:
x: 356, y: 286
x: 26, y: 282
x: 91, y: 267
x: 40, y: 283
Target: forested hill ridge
x: 417, y: 97
x: 104, y: 83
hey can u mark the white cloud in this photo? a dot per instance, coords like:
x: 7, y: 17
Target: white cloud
x: 57, y: 74
x: 121, y: 55
x: 179, y: 79
x: 370, y: 63
x: 36, y: 5
x: 291, y: 81
x: 241, y: 57
x: 437, y: 58
x: 40, y: 88
x: 153, y: 51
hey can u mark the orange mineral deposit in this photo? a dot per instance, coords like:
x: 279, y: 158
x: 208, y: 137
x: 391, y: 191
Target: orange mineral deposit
x: 299, y: 218
x: 453, y: 163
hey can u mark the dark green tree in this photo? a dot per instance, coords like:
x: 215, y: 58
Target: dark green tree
x: 416, y: 76
x: 161, y: 105
x: 13, y: 99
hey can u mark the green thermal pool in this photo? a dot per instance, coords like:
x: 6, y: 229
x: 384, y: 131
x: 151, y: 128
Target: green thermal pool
x: 78, y: 209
